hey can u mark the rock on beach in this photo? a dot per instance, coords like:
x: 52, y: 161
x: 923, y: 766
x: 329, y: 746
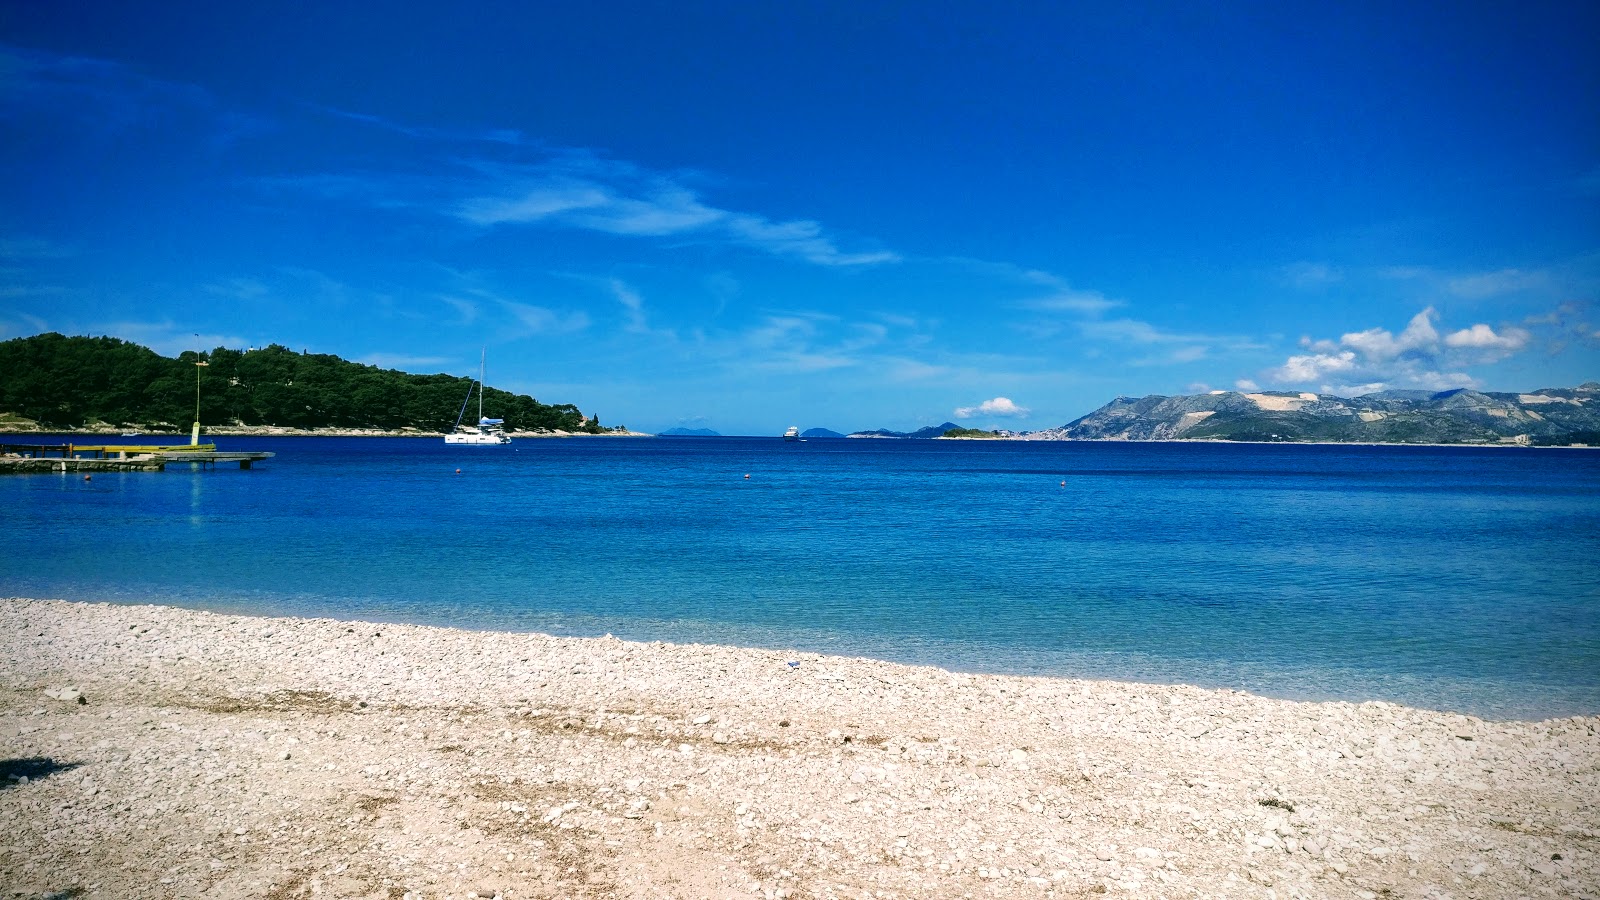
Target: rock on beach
x: 227, y: 756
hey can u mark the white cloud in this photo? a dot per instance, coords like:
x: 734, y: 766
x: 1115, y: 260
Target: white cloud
x: 1482, y: 337
x: 1245, y: 384
x: 999, y: 407
x: 1314, y: 366
x: 1379, y: 345
x: 1417, y: 357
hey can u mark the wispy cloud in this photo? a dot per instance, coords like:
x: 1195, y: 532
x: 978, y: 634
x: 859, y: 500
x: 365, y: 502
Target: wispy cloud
x: 403, y: 361
x: 466, y: 310
x: 1072, y: 301
x: 18, y: 249
x: 1418, y: 357
x: 999, y: 407
x: 24, y: 324
x: 508, y: 136
x: 1307, y: 275
x: 105, y: 97
x: 569, y: 188
x: 1482, y: 285
x: 238, y: 289
x: 169, y: 338
x: 623, y: 199
x: 632, y: 305
x: 541, y: 320
x: 1588, y: 184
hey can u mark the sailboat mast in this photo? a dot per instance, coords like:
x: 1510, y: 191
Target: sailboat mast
x: 483, y: 355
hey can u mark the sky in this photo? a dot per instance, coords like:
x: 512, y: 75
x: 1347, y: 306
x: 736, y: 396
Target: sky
x: 745, y: 216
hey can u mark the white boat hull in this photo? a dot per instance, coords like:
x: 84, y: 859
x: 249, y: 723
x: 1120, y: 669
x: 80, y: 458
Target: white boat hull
x: 469, y: 438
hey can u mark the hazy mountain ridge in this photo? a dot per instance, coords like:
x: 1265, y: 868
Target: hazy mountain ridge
x: 1545, y: 416
x: 932, y: 431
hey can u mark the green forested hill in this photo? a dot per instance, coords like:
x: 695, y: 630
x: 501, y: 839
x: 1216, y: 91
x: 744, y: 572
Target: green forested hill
x: 67, y: 382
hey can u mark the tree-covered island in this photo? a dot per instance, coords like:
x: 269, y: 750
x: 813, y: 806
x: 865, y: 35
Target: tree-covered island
x: 72, y: 383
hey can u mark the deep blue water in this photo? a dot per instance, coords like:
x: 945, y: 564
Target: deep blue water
x: 1452, y: 578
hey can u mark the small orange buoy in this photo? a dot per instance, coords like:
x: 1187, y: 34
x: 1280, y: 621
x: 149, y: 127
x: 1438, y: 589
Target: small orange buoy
x: 88, y: 478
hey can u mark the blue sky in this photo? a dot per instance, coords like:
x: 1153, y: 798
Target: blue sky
x: 850, y: 215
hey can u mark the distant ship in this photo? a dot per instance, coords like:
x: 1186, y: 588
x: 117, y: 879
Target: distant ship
x: 487, y: 431
x: 793, y: 434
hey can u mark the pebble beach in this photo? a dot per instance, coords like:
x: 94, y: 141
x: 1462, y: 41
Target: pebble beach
x: 156, y: 752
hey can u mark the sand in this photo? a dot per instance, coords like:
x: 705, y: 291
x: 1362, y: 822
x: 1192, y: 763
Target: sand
x: 160, y: 752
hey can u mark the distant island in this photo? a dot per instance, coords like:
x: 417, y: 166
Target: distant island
x: 58, y: 383
x: 932, y: 431
x: 1546, y: 417
x: 688, y: 432
x: 820, y: 433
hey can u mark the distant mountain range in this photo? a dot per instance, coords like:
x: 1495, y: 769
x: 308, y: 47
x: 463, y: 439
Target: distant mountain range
x: 932, y: 431
x: 1543, y: 417
x: 820, y: 433
x: 689, y: 432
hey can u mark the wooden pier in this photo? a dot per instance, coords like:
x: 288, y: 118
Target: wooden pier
x: 118, y: 457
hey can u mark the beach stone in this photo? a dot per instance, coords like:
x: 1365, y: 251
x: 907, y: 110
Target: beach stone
x: 479, y: 779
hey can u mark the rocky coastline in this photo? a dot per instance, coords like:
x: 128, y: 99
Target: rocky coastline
x: 154, y: 752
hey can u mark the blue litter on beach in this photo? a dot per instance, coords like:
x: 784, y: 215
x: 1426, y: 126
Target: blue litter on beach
x: 794, y: 664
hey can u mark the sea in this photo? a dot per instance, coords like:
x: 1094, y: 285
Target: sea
x: 1450, y: 578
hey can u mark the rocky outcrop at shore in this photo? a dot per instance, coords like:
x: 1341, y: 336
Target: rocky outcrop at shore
x: 157, y: 752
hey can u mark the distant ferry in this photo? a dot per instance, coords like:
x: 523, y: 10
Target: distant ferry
x: 487, y: 431
x: 793, y: 434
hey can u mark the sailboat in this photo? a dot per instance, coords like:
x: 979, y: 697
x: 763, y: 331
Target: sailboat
x: 487, y: 431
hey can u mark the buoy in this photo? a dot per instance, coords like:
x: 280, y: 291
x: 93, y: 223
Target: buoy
x: 458, y: 471
x: 1063, y: 484
x: 88, y: 477
x: 747, y: 478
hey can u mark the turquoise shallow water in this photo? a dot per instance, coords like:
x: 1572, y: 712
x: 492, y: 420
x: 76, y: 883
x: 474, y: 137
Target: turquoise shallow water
x: 1452, y: 578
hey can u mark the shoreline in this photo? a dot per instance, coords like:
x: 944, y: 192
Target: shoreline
x: 230, y: 755
x: 274, y: 431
